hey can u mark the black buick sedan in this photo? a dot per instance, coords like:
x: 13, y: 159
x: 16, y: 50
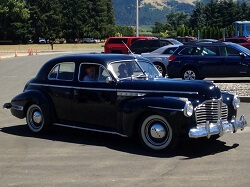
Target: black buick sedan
x: 120, y: 94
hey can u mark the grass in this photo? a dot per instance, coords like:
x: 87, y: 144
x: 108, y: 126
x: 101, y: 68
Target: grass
x: 57, y: 47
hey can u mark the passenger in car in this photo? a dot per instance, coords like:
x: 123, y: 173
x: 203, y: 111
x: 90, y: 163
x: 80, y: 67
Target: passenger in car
x: 90, y: 73
x: 123, y: 71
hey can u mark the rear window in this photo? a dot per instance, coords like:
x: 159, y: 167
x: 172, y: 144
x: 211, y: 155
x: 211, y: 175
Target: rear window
x: 117, y: 40
x: 139, y: 43
x: 187, y: 51
x: 63, y: 71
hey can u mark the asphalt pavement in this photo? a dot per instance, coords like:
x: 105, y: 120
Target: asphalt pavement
x: 70, y: 157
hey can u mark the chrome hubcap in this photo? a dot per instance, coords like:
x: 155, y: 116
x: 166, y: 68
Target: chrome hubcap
x: 37, y: 117
x: 190, y: 75
x: 157, y: 131
x: 159, y: 68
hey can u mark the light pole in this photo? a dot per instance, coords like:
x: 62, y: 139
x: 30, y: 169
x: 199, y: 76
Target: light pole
x: 137, y: 18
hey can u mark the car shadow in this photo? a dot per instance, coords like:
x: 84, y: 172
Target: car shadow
x: 189, y: 149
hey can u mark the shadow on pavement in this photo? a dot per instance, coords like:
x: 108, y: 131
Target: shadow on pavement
x: 190, y: 149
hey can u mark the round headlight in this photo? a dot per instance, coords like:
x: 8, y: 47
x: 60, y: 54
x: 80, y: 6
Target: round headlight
x: 236, y: 102
x: 188, y: 109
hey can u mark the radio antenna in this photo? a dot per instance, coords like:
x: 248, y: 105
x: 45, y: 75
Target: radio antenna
x: 128, y: 49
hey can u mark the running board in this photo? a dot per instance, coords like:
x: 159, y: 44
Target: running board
x: 89, y: 129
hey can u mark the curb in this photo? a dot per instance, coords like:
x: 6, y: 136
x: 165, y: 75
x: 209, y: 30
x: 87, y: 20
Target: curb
x: 245, y: 99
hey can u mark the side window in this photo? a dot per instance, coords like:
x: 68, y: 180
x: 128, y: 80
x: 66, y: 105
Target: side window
x: 232, y: 52
x: 187, y: 51
x: 163, y: 43
x: 92, y: 73
x: 170, y: 50
x: 153, y: 43
x: 209, y: 51
x: 63, y: 71
x: 198, y: 51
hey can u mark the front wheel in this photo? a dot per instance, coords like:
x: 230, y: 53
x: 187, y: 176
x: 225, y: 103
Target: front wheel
x: 157, y: 134
x: 36, y: 118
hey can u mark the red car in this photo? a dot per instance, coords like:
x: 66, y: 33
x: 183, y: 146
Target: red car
x: 241, y: 40
x: 116, y: 45
x: 185, y: 39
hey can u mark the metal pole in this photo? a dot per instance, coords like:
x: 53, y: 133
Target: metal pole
x: 137, y: 18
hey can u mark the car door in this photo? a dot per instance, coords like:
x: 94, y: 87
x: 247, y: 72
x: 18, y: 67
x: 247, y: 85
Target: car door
x: 95, y: 101
x: 60, y: 89
x: 208, y: 61
x: 234, y: 63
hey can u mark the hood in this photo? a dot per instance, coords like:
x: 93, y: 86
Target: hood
x: 193, y: 89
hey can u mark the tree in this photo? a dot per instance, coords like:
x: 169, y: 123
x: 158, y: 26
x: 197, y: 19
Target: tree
x: 14, y: 21
x: 178, y: 18
x: 198, y: 17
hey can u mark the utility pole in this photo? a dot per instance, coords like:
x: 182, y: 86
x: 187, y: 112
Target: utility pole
x: 137, y: 18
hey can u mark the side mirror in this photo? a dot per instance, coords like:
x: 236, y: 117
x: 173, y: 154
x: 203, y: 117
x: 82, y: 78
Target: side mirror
x: 109, y: 80
x: 243, y: 55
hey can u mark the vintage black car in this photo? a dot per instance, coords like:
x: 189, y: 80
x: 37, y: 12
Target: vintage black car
x: 118, y: 97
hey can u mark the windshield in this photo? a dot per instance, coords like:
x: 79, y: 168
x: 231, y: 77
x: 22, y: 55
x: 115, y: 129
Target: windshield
x: 126, y: 69
x: 243, y: 49
x: 150, y: 69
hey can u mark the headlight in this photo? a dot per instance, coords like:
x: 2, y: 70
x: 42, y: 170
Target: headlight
x: 236, y: 102
x: 188, y: 109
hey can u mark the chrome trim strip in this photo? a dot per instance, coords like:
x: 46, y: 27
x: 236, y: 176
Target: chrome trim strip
x: 97, y: 89
x: 51, y: 85
x: 118, y: 90
x: 88, y: 129
x: 130, y: 94
x: 156, y: 91
x: 17, y: 107
x: 161, y: 108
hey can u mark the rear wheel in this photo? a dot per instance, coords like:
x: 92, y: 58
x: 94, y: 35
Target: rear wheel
x: 36, y: 118
x: 160, y: 68
x: 190, y: 74
x: 157, y: 134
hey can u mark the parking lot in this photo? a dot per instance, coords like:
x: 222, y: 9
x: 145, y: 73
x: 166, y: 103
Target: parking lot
x: 69, y: 157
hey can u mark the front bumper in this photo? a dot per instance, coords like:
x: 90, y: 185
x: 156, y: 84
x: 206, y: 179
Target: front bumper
x: 220, y: 128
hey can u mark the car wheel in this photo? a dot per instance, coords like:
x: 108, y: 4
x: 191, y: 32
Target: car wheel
x: 157, y: 134
x: 190, y: 74
x: 161, y: 69
x: 36, y: 119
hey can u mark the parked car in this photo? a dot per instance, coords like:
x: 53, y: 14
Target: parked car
x: 159, y: 57
x: 116, y: 44
x: 158, y: 111
x: 217, y: 59
x: 42, y: 40
x: 89, y: 40
x: 207, y: 40
x: 185, y: 39
x: 145, y: 46
x: 241, y: 40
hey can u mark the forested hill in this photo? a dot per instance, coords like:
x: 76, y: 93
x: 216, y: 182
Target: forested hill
x: 150, y: 11
x: 125, y: 11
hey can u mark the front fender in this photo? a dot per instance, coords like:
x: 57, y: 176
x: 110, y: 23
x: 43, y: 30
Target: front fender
x: 134, y: 110
x: 21, y: 102
x: 227, y: 98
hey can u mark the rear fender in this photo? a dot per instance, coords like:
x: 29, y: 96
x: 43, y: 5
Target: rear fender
x: 25, y: 99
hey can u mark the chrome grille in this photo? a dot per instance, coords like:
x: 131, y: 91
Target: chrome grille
x: 211, y: 111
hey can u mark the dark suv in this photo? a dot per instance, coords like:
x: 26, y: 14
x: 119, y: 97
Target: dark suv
x: 209, y: 59
x: 144, y: 45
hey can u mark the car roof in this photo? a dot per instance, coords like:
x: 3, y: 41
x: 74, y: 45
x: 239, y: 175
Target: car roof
x: 163, y: 48
x: 100, y: 58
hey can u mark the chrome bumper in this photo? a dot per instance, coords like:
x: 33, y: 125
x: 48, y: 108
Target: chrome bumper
x: 221, y: 127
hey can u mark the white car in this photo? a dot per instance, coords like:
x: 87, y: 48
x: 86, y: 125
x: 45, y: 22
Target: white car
x: 159, y: 57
